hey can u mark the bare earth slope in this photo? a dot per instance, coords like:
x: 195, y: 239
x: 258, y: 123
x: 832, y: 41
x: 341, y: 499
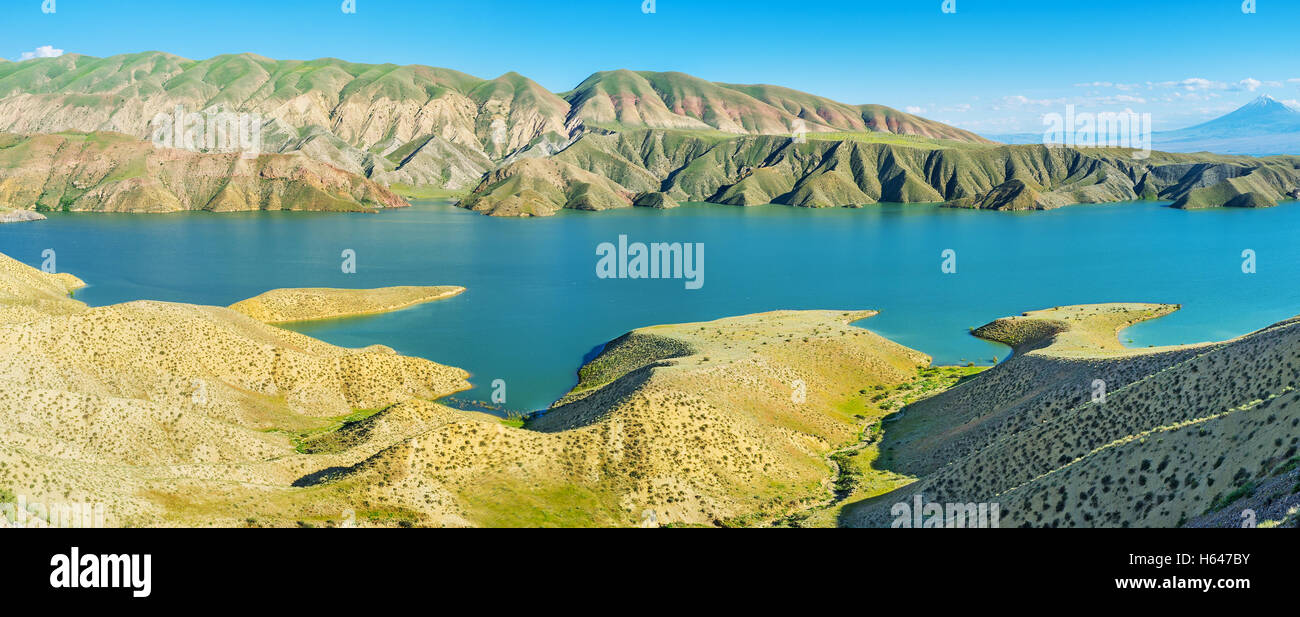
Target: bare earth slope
x: 1180, y: 433
x: 644, y: 99
x: 695, y: 422
x: 411, y: 126
x: 303, y: 304
x: 110, y: 172
x: 601, y: 171
x: 155, y: 409
x: 174, y: 414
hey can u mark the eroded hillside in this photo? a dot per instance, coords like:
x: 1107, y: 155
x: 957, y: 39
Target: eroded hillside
x: 412, y: 127
x: 602, y: 171
x: 111, y: 172
x: 175, y: 414
x: 1075, y: 430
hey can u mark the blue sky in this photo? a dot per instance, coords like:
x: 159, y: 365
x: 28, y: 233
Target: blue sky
x: 993, y: 66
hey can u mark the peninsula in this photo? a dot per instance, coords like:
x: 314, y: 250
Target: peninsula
x: 307, y: 304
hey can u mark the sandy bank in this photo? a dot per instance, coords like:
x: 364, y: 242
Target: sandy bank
x: 20, y: 216
x: 1080, y: 330
x: 306, y: 304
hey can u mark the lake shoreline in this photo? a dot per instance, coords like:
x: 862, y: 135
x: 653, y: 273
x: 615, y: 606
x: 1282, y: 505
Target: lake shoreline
x: 537, y: 308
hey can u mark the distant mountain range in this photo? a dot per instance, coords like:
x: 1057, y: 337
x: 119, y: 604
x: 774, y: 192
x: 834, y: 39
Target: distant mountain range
x: 412, y: 126
x: 621, y: 138
x: 660, y: 168
x: 1262, y: 127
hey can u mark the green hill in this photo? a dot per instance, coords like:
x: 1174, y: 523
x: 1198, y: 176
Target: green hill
x: 865, y: 168
x: 643, y: 99
x: 417, y: 128
x: 112, y: 172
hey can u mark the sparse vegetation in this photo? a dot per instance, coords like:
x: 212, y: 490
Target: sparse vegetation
x: 1176, y: 426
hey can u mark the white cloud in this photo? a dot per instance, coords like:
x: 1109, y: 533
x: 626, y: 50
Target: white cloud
x: 44, y: 51
x: 1199, y: 84
x: 1108, y: 84
x: 1193, y: 84
x: 1192, y: 88
x: 1251, y: 84
x: 1020, y: 100
x: 1118, y: 99
x: 1176, y: 97
x: 995, y: 124
x: 936, y: 108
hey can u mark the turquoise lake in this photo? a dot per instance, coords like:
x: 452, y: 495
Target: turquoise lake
x: 535, y: 307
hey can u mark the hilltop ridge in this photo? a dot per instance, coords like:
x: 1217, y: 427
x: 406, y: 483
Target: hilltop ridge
x: 111, y: 172
x: 603, y: 171
x: 413, y: 127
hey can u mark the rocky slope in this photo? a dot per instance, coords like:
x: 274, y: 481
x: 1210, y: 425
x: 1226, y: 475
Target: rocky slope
x: 1182, y: 435
x: 644, y: 99
x: 355, y: 116
x: 753, y: 170
x: 111, y: 172
x: 409, y: 126
x: 421, y: 130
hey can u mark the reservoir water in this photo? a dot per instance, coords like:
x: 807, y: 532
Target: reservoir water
x: 535, y: 306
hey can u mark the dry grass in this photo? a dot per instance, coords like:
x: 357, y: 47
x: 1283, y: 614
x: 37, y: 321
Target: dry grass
x: 183, y: 415
x: 1178, y: 435
x: 304, y: 304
